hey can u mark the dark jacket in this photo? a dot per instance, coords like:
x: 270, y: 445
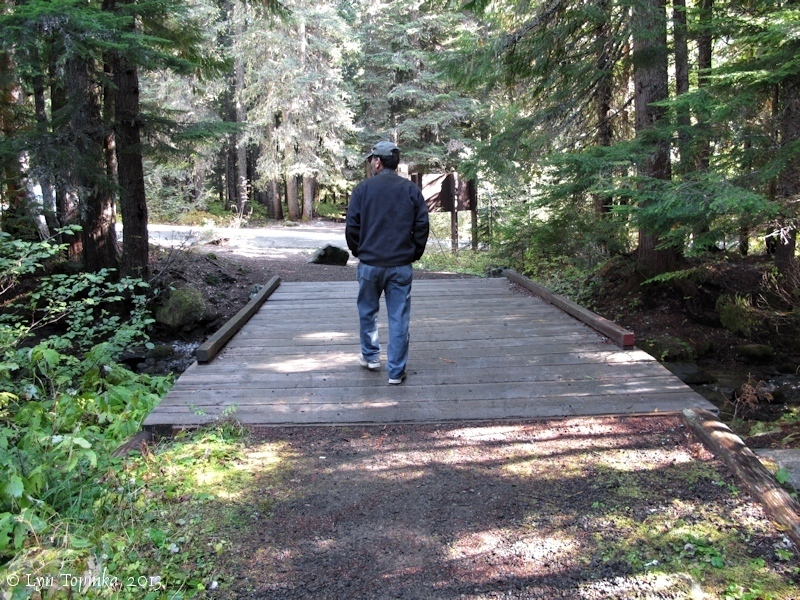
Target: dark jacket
x: 387, y: 221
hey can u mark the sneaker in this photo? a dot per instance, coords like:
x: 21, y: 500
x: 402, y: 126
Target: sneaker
x: 372, y: 365
x: 397, y: 380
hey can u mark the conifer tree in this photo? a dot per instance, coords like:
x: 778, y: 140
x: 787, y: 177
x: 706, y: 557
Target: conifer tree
x: 298, y: 105
x: 402, y: 91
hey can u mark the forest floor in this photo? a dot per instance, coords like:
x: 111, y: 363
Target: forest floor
x: 578, y: 508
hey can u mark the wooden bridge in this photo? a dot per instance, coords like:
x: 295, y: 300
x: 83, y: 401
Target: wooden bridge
x: 481, y: 349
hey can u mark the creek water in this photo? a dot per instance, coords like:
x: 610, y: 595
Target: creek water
x: 728, y: 379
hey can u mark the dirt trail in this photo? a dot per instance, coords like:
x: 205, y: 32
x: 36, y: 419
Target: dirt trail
x: 583, y: 508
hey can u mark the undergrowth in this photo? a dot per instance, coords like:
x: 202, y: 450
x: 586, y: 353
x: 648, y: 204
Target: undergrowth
x: 65, y: 404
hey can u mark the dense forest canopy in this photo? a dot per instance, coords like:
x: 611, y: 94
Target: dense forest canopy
x: 593, y: 128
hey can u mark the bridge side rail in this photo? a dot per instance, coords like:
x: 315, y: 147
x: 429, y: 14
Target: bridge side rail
x: 206, y: 352
x: 620, y: 336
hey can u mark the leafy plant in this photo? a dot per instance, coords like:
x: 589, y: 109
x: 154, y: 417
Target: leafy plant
x: 782, y: 475
x: 65, y: 403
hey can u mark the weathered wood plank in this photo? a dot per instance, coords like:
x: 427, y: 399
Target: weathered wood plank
x: 729, y: 448
x: 250, y: 356
x: 361, y: 391
x: 209, y: 349
x: 342, y: 365
x: 621, y: 336
x: 480, y: 349
x: 381, y: 412
x: 310, y: 373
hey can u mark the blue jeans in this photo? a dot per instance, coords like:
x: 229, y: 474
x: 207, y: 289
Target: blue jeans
x: 395, y: 283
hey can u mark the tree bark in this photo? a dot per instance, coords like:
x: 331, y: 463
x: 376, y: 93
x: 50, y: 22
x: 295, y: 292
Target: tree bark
x: 89, y: 181
x: 242, y: 195
x: 651, y: 82
x: 231, y: 190
x: 603, y: 96
x: 130, y: 171
x: 787, y: 186
x: 682, y: 81
x: 309, y: 189
x: 16, y: 216
x: 276, y: 210
x: 46, y: 175
x: 292, y: 202
x: 705, y: 41
x: 66, y: 206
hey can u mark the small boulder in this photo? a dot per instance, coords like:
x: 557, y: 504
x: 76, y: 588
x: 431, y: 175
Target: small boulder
x: 330, y: 255
x: 183, y: 308
x: 757, y: 353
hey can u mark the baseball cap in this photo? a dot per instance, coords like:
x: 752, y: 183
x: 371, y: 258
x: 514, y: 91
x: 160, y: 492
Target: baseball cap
x: 383, y: 149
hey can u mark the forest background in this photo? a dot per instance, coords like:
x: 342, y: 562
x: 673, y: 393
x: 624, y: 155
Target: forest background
x: 661, y: 139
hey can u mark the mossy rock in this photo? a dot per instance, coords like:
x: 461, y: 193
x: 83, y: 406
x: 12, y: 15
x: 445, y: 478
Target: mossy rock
x: 160, y: 352
x: 669, y: 349
x: 737, y: 315
x: 757, y: 353
x: 183, y: 308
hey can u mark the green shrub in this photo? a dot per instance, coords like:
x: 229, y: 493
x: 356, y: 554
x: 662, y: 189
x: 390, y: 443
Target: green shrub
x: 331, y: 211
x: 65, y: 402
x: 466, y: 261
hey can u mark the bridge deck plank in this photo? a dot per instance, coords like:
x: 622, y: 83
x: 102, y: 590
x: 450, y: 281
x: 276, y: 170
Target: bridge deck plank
x: 480, y: 349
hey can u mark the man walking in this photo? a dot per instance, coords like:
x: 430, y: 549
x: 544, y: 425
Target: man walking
x: 386, y: 229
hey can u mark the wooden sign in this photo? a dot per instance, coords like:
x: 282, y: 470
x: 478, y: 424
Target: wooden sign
x: 446, y: 192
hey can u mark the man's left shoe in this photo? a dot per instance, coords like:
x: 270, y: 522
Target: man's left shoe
x: 397, y: 380
x: 372, y: 365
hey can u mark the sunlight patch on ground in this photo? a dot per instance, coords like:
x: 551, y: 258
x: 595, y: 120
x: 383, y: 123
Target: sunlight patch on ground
x: 320, y: 335
x: 654, y: 585
x: 537, y: 548
x: 267, y: 458
x: 634, y: 460
x: 220, y: 482
x: 484, y: 434
x: 491, y: 552
x: 534, y: 466
x: 387, y: 464
x: 627, y: 357
x: 310, y: 363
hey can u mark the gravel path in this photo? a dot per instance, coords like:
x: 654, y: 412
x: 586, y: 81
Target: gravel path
x: 587, y: 508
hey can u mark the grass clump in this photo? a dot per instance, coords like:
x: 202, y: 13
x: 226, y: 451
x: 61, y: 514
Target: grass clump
x: 468, y: 262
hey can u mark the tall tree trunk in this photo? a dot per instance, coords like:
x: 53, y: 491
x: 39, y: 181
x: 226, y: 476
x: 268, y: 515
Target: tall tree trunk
x: 309, y: 190
x: 787, y: 186
x: 241, y: 113
x: 276, y: 210
x: 66, y: 207
x: 682, y: 81
x: 46, y: 175
x: 130, y: 169
x: 231, y: 189
x: 16, y: 214
x: 651, y: 85
x: 705, y: 43
x: 603, y: 96
x: 292, y: 202
x: 89, y: 180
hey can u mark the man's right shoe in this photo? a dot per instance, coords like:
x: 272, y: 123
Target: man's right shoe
x: 397, y: 380
x: 372, y: 365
